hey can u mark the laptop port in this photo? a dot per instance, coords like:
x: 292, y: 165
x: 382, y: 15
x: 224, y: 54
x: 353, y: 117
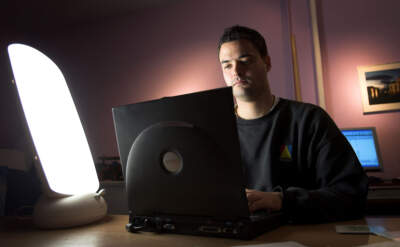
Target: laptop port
x: 210, y: 229
x: 229, y: 230
x: 169, y: 227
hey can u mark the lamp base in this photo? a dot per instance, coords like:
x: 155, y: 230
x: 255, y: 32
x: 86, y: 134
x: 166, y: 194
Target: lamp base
x: 69, y: 211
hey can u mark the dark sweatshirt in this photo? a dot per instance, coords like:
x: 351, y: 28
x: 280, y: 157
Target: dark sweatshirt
x: 298, y: 149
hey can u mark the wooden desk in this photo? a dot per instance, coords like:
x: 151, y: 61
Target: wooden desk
x: 111, y: 232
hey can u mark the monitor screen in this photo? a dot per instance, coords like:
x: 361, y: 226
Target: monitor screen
x: 365, y: 145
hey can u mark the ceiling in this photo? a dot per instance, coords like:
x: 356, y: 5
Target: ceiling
x: 29, y: 15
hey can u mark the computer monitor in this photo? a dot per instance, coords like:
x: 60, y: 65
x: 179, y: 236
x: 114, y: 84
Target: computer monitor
x: 365, y: 144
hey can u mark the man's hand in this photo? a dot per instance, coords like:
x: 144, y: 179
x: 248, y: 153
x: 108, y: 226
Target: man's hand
x: 264, y: 200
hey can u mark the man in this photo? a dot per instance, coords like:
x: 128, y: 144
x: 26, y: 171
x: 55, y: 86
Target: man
x: 295, y: 158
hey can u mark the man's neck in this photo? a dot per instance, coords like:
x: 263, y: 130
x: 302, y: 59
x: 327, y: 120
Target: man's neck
x: 254, y: 109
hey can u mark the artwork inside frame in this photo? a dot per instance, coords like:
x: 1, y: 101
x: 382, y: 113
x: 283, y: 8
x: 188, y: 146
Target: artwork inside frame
x: 380, y: 87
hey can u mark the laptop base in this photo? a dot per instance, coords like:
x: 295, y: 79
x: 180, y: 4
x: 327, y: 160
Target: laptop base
x: 203, y: 226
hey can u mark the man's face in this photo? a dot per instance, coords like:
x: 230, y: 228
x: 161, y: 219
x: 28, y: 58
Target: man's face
x: 244, y: 69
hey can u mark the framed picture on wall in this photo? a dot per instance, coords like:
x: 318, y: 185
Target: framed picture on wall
x: 380, y: 87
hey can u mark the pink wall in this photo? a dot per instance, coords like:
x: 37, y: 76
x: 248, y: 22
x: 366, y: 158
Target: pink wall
x: 360, y: 33
x: 162, y: 51
x: 171, y: 49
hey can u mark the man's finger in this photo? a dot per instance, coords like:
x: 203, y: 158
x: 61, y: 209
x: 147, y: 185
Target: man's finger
x: 251, y: 197
x: 256, y: 205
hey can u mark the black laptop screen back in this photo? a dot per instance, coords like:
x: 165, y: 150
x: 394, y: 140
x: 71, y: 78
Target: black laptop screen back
x: 201, y: 129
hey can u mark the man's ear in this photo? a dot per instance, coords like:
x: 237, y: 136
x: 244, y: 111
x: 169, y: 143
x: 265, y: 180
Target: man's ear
x: 267, y: 61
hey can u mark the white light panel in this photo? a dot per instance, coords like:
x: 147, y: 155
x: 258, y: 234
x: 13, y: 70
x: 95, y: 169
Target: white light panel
x: 53, y: 121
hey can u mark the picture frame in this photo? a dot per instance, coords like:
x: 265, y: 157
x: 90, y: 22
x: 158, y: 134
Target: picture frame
x: 380, y: 87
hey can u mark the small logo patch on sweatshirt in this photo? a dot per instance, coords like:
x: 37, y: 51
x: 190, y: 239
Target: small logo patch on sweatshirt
x: 286, y: 153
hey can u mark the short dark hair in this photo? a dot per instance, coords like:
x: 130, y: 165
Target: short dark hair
x: 240, y: 32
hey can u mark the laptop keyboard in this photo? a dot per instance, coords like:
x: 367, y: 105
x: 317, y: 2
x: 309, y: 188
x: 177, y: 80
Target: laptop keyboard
x: 259, y: 215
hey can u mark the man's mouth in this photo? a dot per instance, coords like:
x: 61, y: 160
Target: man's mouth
x: 240, y: 82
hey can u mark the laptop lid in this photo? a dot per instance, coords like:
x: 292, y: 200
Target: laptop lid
x: 196, y: 134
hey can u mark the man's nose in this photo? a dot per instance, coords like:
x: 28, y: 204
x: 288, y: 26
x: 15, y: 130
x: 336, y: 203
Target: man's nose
x: 238, y: 69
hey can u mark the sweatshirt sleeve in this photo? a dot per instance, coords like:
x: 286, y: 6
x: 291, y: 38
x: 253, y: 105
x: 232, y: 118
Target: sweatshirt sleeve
x: 341, y: 183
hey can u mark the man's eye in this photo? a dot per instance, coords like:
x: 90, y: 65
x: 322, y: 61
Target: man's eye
x: 227, y: 66
x: 246, y: 61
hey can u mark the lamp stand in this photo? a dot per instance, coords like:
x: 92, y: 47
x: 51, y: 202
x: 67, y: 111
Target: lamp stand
x: 69, y: 211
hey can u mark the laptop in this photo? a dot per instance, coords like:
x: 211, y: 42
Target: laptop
x: 181, y: 162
